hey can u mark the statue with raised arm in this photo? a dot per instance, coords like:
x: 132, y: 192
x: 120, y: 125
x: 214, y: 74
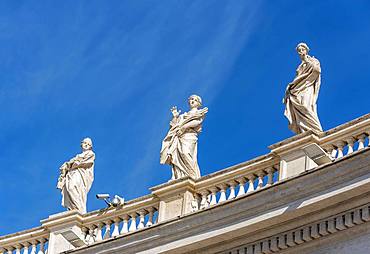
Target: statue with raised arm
x: 76, y: 177
x: 179, y: 147
x: 301, y: 94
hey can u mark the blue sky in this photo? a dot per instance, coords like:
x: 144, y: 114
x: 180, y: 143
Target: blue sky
x: 111, y: 70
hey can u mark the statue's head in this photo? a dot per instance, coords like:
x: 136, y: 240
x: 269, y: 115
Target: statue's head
x: 195, y: 101
x: 302, y: 49
x: 86, y: 144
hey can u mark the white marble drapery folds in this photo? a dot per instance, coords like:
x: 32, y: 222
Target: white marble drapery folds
x: 77, y: 176
x: 302, y: 93
x: 179, y: 147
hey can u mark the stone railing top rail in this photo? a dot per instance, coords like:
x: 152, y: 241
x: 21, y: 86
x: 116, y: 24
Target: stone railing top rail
x: 365, y: 119
x: 353, y: 128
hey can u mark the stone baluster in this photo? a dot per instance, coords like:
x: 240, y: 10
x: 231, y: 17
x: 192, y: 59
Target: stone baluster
x: 124, y: 228
x: 270, y: 176
x: 340, y: 146
x: 232, y: 185
x: 10, y: 250
x: 332, y: 150
x: 25, y: 248
x: 222, y: 188
x: 18, y: 248
x: 133, y: 222
x: 150, y: 217
x: 361, y: 141
x: 368, y: 138
x: 142, y: 214
x: 2, y: 250
x: 107, y: 229
x: 204, y: 202
x: 350, y: 142
x: 98, y: 232
x: 41, y: 246
x: 251, y: 183
x: 241, y: 182
x: 90, y: 237
x: 116, y: 227
x: 33, y: 248
x: 260, y: 175
x: 213, y: 200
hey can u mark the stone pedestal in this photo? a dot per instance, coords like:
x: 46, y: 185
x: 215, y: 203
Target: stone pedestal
x: 176, y: 198
x: 299, y: 154
x: 65, y: 231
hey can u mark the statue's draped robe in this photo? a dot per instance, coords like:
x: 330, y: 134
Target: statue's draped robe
x: 78, y: 181
x: 301, y: 98
x: 180, y: 151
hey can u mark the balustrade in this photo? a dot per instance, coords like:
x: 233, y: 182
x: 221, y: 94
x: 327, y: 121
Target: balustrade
x: 252, y: 180
x: 32, y: 241
x: 347, y: 145
x: 123, y: 222
x: 347, y: 138
x: 222, y: 186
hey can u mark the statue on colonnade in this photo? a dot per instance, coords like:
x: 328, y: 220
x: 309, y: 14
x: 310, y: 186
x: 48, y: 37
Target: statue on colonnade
x: 301, y: 94
x: 179, y: 147
x: 76, y: 177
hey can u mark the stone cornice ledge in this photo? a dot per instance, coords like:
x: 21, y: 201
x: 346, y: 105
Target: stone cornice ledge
x: 256, y: 215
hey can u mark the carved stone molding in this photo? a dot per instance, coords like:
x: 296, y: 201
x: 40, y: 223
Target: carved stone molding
x: 307, y: 233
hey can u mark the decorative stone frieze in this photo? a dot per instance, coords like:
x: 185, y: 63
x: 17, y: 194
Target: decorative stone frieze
x: 307, y: 233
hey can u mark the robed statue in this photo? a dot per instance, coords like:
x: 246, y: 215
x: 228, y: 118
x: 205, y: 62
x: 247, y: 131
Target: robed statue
x: 301, y: 94
x: 76, y: 177
x: 179, y: 147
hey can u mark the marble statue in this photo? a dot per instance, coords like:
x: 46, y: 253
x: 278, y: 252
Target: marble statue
x: 301, y: 94
x: 76, y: 177
x: 179, y: 147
